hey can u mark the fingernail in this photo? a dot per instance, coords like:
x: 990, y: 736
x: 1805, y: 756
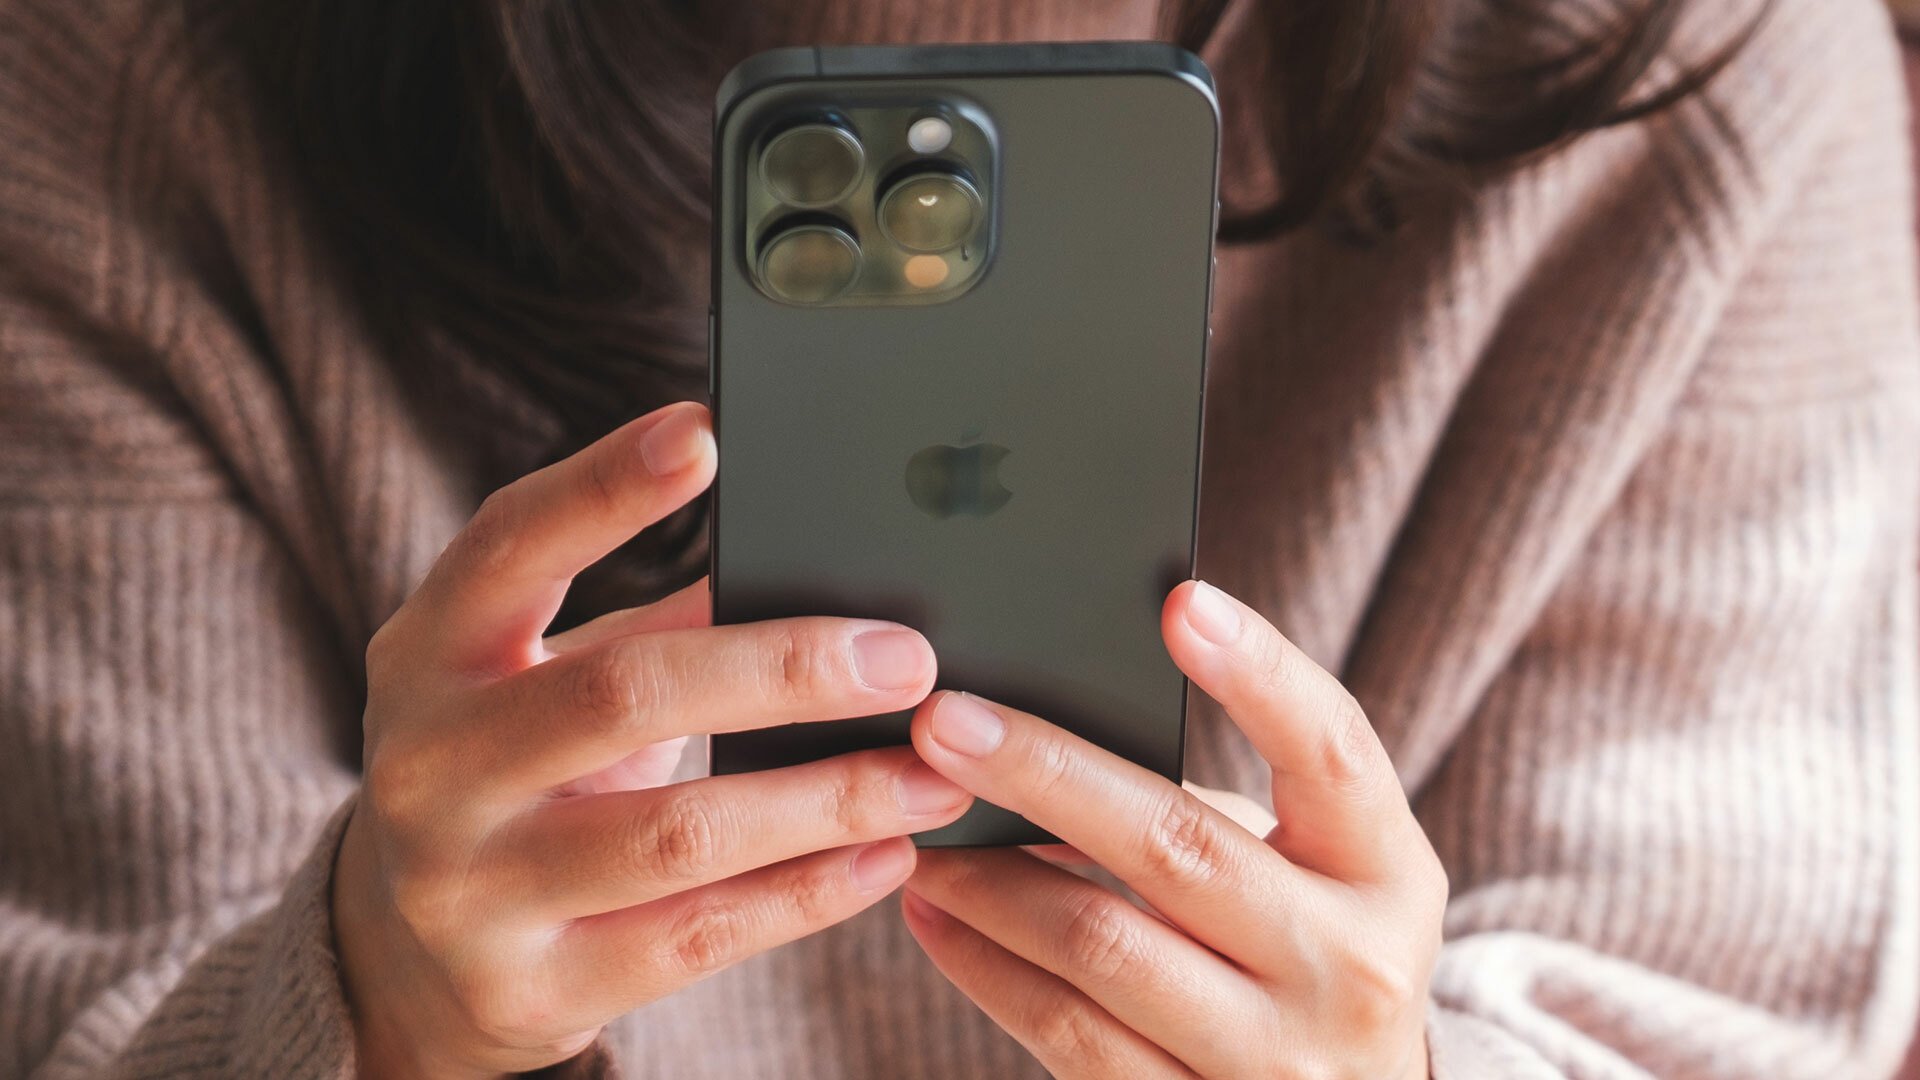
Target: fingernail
x: 889, y: 659
x: 674, y: 443
x: 920, y: 907
x: 923, y: 791
x: 1212, y: 615
x: 881, y: 865
x: 963, y: 724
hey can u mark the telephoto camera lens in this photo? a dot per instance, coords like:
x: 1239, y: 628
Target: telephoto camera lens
x: 813, y: 165
x: 930, y: 212
x: 810, y: 264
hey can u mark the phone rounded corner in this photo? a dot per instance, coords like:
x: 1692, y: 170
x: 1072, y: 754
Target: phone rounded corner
x: 1194, y: 72
x: 1187, y: 70
x: 758, y: 72
x: 1189, y: 64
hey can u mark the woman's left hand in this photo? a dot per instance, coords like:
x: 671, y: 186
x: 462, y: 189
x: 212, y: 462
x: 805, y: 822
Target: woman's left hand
x: 1303, y: 953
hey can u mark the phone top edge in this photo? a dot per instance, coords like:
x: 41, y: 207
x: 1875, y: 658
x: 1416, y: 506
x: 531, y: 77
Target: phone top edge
x: 761, y: 70
x: 795, y: 63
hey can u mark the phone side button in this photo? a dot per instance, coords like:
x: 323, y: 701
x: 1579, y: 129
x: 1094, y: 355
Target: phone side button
x: 713, y: 381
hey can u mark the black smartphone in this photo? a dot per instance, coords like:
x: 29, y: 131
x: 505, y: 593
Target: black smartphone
x: 960, y: 320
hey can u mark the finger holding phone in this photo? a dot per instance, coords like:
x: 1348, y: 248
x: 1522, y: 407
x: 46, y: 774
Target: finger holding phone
x: 516, y: 871
x: 1302, y: 949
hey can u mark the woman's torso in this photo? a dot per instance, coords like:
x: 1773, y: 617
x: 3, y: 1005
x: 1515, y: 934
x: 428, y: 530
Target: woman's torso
x: 1409, y: 444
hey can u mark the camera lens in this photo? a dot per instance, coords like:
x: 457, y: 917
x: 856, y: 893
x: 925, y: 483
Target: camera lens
x: 930, y: 212
x: 810, y: 264
x: 812, y: 165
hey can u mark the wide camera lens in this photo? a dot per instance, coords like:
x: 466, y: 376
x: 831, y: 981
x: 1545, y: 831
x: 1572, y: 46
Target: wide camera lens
x: 810, y: 264
x: 812, y: 165
x: 930, y: 212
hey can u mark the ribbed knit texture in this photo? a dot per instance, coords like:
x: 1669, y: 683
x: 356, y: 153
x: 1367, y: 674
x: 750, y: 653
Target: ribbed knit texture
x: 1599, y: 491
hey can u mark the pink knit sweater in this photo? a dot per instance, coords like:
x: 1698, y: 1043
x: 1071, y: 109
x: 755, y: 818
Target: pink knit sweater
x: 1599, y: 492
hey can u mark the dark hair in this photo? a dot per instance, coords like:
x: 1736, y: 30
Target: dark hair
x: 524, y: 179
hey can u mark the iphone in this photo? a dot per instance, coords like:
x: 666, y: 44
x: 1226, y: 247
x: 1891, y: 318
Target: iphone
x: 960, y: 322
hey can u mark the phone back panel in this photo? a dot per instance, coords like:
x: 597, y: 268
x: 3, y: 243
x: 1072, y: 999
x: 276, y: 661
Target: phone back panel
x: 1075, y: 366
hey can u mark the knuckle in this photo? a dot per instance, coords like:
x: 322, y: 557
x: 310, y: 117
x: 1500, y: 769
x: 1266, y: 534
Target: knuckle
x: 599, y: 484
x: 1100, y: 939
x: 489, y: 540
x: 382, y: 649
x: 1279, y: 671
x: 861, y: 798
x: 395, y: 784
x: 843, y: 801
x: 805, y: 666
x: 1065, y: 1030
x: 426, y: 904
x: 1349, y: 750
x: 496, y: 1010
x: 1380, y: 991
x: 968, y: 879
x: 1050, y: 764
x: 681, y: 840
x: 1184, y: 845
x: 703, y: 940
x: 611, y: 686
x: 816, y: 896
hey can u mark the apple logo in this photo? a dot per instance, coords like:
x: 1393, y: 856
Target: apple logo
x: 949, y: 481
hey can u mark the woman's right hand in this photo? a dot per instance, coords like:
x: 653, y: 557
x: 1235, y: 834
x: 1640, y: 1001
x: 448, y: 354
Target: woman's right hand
x: 513, y: 876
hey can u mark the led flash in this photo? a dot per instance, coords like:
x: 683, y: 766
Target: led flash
x: 929, y: 135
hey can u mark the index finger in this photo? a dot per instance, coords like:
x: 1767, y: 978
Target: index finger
x: 497, y: 585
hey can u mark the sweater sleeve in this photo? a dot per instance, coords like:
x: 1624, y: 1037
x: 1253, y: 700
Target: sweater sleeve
x: 1681, y: 823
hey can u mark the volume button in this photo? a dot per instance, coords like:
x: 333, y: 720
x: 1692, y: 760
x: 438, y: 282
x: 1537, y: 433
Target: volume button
x: 713, y: 351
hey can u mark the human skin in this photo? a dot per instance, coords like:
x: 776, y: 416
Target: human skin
x: 516, y: 872
x: 1293, y: 949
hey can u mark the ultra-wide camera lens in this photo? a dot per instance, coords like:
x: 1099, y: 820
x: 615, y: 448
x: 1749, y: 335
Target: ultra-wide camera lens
x: 812, y: 165
x: 930, y: 212
x: 810, y: 264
